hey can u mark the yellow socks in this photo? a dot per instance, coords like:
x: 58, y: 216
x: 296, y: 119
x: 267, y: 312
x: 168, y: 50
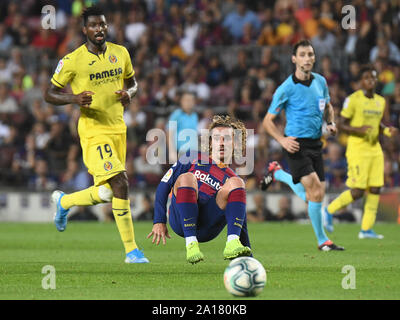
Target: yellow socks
x: 86, y: 197
x: 343, y: 200
x: 370, y: 210
x: 120, y: 208
x: 123, y: 218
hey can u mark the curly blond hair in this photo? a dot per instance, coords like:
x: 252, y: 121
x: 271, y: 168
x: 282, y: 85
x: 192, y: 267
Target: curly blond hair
x: 239, y: 133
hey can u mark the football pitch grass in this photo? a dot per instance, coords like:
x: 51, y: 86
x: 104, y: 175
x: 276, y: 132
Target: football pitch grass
x: 89, y: 264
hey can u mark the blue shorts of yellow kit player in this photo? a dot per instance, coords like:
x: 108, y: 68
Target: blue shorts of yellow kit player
x: 104, y: 156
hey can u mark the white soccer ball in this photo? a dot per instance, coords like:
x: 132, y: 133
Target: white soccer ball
x: 245, y: 277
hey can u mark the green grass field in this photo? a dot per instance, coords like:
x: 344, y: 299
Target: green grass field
x: 88, y: 259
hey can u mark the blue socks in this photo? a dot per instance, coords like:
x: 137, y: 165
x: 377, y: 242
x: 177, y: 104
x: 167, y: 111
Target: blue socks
x: 297, y: 188
x: 235, y: 211
x: 186, y: 203
x: 314, y: 212
x: 314, y: 208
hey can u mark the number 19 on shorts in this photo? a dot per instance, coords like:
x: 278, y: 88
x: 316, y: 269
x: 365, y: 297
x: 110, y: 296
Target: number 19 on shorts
x: 106, y: 149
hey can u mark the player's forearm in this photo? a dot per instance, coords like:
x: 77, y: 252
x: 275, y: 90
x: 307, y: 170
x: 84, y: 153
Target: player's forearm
x: 329, y: 114
x: 58, y: 97
x: 344, y: 125
x: 132, y: 87
x: 160, y: 203
x: 271, y: 128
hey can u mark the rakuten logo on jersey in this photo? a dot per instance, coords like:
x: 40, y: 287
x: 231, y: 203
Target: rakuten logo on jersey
x: 206, y: 178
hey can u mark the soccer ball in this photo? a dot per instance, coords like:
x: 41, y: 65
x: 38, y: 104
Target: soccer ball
x: 245, y: 277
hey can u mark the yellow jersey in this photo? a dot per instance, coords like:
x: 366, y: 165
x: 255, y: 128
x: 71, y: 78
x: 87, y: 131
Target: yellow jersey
x: 102, y: 74
x: 364, y: 111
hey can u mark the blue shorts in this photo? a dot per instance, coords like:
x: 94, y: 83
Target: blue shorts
x: 211, y: 220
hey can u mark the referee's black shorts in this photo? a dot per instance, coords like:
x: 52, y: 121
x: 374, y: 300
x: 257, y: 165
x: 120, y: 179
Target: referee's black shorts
x: 307, y: 160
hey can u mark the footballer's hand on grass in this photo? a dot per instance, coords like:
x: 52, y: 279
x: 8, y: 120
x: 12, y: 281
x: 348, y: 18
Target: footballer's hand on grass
x: 160, y: 231
x: 84, y: 99
x: 332, y: 129
x: 290, y: 144
x: 123, y: 97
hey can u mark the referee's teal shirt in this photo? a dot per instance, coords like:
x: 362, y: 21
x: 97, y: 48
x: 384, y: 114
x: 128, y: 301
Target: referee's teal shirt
x: 304, y: 104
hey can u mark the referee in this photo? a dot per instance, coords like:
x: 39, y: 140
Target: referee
x: 305, y: 98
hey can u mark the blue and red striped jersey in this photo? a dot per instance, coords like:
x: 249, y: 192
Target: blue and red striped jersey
x: 210, y: 179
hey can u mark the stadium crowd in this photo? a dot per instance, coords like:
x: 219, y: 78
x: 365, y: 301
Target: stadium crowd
x: 231, y: 54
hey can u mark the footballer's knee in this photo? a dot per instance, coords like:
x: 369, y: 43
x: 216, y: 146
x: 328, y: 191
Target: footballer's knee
x: 105, y: 193
x: 119, y: 185
x: 316, y: 193
x: 233, y: 183
x: 229, y: 185
x: 357, y: 193
x: 186, y: 180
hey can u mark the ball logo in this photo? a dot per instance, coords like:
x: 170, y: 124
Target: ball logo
x: 112, y: 58
x: 108, y: 166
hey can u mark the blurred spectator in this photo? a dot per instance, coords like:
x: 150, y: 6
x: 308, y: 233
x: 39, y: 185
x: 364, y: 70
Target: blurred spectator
x: 195, y: 84
x: 285, y: 210
x: 6, y: 40
x: 261, y: 212
x: 75, y: 178
x: 7, y: 103
x: 394, y: 105
x: 310, y: 22
x: 216, y: 72
x: 385, y: 49
x: 335, y: 166
x: 190, y: 31
x: 324, y: 42
x: 328, y: 72
x: 240, y: 69
x: 236, y: 20
x: 206, y: 120
x: 42, y: 180
x: 391, y: 178
x: 232, y: 54
x: 60, y: 147
x: 5, y: 71
x: 135, y: 27
x: 269, y: 64
x: 45, y: 39
x: 135, y: 120
x: 148, y: 208
x: 352, y: 77
x: 222, y: 94
x: 42, y: 136
x: 148, y: 174
x: 182, y: 125
x: 285, y: 29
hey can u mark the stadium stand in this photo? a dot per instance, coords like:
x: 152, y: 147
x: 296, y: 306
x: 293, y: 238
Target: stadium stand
x: 232, y: 53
